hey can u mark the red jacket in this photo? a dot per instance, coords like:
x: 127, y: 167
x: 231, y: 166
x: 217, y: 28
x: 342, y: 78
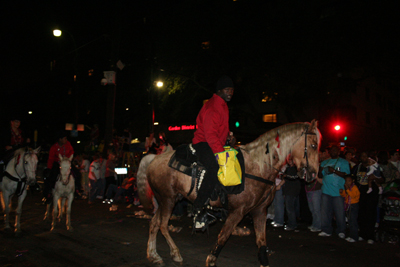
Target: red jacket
x: 213, y: 124
x: 65, y: 150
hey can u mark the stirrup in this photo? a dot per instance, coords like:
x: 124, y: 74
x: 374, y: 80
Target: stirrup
x: 202, y: 223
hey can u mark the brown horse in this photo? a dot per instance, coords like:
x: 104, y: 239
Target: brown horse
x: 263, y: 158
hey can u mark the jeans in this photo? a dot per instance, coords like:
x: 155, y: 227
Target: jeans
x: 279, y: 205
x: 94, y: 189
x: 314, y: 204
x: 102, y: 185
x: 353, y: 220
x: 290, y: 202
x: 330, y: 205
x: 367, y: 213
x: 112, y: 190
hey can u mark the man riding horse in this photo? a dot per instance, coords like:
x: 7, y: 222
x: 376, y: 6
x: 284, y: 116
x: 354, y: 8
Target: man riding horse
x: 64, y: 148
x: 210, y: 137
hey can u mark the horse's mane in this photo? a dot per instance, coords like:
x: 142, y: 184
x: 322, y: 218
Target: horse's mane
x: 19, y: 151
x: 286, y: 136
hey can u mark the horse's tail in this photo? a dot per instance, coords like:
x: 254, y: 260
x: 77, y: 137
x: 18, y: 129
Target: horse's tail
x: 144, y: 190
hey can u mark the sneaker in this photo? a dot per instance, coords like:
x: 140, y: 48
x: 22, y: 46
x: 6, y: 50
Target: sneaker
x: 276, y: 225
x: 105, y: 201
x: 341, y: 235
x: 310, y: 227
x: 324, y: 234
x: 360, y: 239
x: 370, y: 241
x: 287, y: 228
x: 315, y: 230
x: 349, y: 239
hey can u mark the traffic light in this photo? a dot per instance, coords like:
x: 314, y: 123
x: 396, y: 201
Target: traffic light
x: 237, y: 124
x: 337, y: 127
x: 345, y: 138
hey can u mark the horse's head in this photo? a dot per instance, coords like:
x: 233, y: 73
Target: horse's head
x: 65, y: 168
x: 26, y: 164
x: 305, y: 152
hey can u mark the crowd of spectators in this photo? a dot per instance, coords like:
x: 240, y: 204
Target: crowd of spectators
x: 345, y: 197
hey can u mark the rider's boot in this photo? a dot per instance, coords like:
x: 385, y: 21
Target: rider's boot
x: 202, y: 219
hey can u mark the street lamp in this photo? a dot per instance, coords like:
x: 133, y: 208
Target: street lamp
x: 158, y: 84
x: 57, y: 33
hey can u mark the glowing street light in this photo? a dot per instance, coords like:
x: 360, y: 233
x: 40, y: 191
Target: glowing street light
x: 159, y: 84
x: 337, y: 127
x: 57, y: 33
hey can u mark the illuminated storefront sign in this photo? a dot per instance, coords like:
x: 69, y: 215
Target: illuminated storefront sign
x: 183, y: 127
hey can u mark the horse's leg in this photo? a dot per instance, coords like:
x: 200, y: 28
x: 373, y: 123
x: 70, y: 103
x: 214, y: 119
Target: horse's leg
x: 260, y: 222
x: 68, y: 212
x: 166, y: 210
x: 61, y: 204
x: 18, y: 213
x: 47, y: 215
x: 231, y: 222
x: 152, y: 254
x: 5, y: 202
x: 55, y: 210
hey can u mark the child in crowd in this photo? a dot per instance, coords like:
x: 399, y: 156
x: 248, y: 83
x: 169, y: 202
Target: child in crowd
x: 373, y: 166
x: 352, y: 197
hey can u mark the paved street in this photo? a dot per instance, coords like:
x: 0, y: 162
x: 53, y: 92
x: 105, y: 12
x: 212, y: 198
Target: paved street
x: 106, y: 238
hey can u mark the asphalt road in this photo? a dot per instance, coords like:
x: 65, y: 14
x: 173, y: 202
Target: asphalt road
x: 118, y: 238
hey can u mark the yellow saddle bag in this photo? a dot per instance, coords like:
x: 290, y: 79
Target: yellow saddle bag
x: 229, y: 173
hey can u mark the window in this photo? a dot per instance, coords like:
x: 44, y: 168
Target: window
x: 268, y: 98
x: 269, y: 118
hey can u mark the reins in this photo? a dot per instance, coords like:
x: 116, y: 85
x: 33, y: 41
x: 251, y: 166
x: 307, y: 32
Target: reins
x: 21, y: 181
x: 68, y: 179
x: 305, y: 133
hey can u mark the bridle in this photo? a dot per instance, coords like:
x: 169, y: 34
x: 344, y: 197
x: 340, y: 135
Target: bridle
x: 24, y: 176
x: 305, y: 133
x: 21, y: 182
x: 305, y: 145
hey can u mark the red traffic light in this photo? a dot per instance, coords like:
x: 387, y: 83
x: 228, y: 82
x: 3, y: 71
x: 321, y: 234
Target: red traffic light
x: 337, y: 127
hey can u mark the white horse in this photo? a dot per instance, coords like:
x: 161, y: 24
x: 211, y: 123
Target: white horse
x: 20, y: 171
x: 63, y: 189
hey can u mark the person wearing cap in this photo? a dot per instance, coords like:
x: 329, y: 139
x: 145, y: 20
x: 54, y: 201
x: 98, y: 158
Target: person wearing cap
x: 210, y: 137
x: 64, y: 148
x: 12, y: 140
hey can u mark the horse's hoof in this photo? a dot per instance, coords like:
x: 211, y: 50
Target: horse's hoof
x: 159, y: 263
x: 177, y: 259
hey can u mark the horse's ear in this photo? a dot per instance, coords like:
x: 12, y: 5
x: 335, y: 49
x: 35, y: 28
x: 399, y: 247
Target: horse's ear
x: 37, y: 150
x: 60, y: 157
x: 71, y: 157
x: 313, y: 126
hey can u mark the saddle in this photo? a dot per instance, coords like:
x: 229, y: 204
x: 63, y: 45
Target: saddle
x: 185, y: 160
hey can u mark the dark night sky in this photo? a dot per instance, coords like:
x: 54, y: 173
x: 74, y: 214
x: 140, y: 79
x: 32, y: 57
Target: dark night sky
x: 259, y: 43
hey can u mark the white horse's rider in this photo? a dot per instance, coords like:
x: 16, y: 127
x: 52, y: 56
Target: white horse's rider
x: 11, y: 140
x: 64, y: 148
x: 210, y: 138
